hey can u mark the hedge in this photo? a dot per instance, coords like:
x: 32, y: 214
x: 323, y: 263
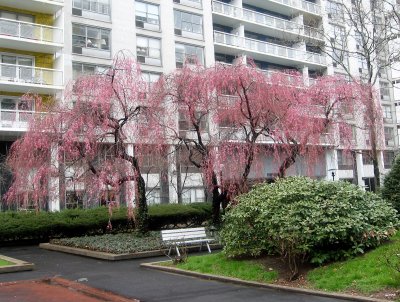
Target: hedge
x: 17, y: 227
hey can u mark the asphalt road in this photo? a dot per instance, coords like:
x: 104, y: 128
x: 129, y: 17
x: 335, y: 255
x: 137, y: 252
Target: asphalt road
x: 127, y: 278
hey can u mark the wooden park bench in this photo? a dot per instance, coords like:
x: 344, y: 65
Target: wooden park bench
x: 183, y: 237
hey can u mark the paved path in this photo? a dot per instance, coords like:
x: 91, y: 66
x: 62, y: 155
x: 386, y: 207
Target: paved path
x: 128, y: 279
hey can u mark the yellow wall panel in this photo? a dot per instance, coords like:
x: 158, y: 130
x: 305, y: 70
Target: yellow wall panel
x: 40, y: 18
x: 42, y: 60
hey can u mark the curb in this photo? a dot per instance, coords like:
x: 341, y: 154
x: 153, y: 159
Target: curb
x: 110, y: 256
x: 174, y: 270
x: 18, y: 266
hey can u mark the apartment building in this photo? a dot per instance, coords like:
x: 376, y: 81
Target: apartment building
x: 31, y: 60
x: 44, y: 44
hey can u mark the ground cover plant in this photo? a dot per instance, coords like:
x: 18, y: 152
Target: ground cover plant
x: 304, y: 220
x: 115, y: 243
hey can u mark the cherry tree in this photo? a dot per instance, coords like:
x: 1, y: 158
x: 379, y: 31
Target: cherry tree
x: 191, y: 101
x: 95, y: 139
x: 276, y: 114
x: 231, y: 114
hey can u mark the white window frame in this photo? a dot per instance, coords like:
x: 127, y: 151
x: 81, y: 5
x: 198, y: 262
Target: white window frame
x: 182, y: 57
x: 101, y: 7
x: 98, y: 68
x: 150, y: 21
x: 87, y: 42
x: 143, y: 52
x: 188, y: 28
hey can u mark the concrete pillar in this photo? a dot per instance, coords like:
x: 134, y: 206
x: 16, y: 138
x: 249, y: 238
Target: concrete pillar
x: 304, y: 71
x: 130, y: 185
x: 172, y: 175
x: 54, y: 182
x: 360, y: 169
x: 299, y: 20
x: 331, y: 164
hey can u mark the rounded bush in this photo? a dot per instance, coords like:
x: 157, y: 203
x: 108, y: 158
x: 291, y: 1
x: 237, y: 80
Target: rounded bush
x: 391, y: 186
x: 301, y: 218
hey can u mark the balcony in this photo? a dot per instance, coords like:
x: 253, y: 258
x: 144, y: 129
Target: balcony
x: 18, y: 78
x: 42, y: 6
x: 260, y: 50
x: 285, y: 6
x: 228, y: 14
x: 15, y: 120
x: 30, y: 36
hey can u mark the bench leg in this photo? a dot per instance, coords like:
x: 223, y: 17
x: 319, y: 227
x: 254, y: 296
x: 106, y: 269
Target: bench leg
x: 201, y: 246
x: 177, y: 251
x: 169, y: 251
x: 208, y: 246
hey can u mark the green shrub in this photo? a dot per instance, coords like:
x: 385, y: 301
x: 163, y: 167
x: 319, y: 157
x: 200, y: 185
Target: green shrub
x: 391, y: 187
x: 301, y: 218
x: 42, y: 226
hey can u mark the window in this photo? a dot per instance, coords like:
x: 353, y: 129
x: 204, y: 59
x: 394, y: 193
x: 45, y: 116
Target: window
x: 389, y: 136
x: 188, y: 54
x: 186, y: 125
x: 189, y: 23
x: 147, y: 16
x: 362, y: 63
x: 17, y: 68
x: 94, y: 6
x: 335, y: 10
x: 79, y: 69
x: 388, y: 159
x: 188, y: 160
x: 366, y: 157
x: 148, y: 50
x: 90, y: 38
x: 15, y: 110
x: 193, y: 194
x: 153, y: 196
x: 345, y: 160
x: 384, y: 91
x: 387, y: 112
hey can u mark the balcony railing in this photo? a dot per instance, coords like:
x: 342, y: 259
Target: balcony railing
x: 267, y: 20
x: 31, y: 31
x: 30, y: 75
x: 268, y: 48
x: 302, y: 5
x: 15, y: 119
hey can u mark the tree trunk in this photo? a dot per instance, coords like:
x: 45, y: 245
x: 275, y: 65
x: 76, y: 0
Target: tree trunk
x: 142, y: 216
x: 290, y: 160
x: 373, y: 135
x: 218, y: 198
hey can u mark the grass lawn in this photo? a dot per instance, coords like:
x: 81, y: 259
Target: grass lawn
x: 217, y: 264
x: 5, y: 263
x: 367, y: 273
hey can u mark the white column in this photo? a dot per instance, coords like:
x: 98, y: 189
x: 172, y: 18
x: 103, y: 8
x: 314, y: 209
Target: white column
x: 360, y: 169
x: 172, y: 175
x: 331, y: 164
x: 130, y: 185
x: 54, y: 182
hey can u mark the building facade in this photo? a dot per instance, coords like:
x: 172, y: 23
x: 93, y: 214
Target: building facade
x: 45, y: 44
